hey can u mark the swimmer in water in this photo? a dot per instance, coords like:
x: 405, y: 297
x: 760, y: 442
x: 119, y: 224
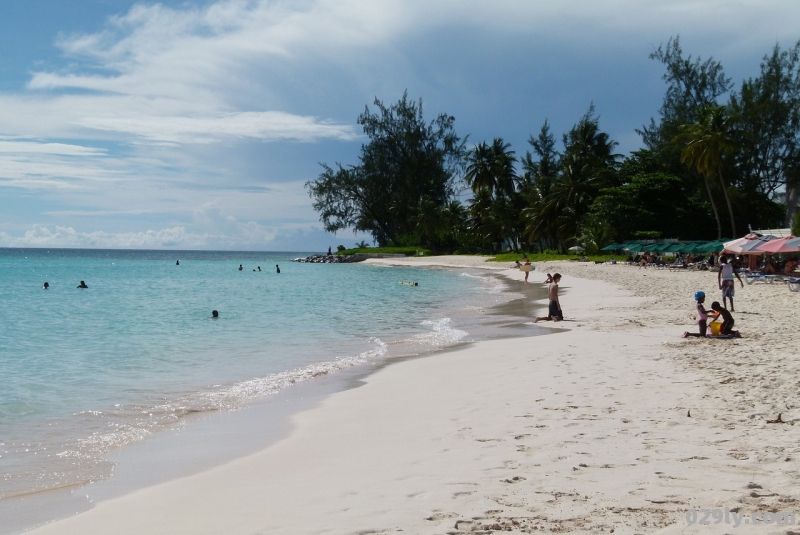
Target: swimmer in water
x: 45, y: 286
x: 259, y: 268
x: 214, y: 314
x: 278, y: 268
x: 177, y: 262
x: 82, y: 285
x: 241, y: 268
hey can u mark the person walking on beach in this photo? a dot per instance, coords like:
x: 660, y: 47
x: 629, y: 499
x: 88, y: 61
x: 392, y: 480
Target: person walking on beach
x: 702, y: 316
x: 725, y: 280
x: 528, y: 268
x: 554, y: 308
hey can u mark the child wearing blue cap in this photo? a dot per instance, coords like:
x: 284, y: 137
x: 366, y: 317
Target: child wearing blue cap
x: 702, y: 315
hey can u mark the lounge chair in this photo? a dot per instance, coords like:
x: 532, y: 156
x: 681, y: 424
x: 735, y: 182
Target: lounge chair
x: 794, y: 284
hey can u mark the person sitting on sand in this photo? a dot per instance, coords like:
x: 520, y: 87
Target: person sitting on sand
x: 644, y: 261
x: 554, y: 309
x: 517, y: 264
x: 727, y: 321
x: 702, y: 316
x: 549, y: 279
x: 82, y: 285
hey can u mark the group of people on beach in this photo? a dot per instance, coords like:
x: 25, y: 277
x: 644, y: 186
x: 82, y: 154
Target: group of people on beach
x: 726, y: 280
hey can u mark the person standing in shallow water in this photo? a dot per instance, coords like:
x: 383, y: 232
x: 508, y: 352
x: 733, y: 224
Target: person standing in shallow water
x: 82, y: 285
x: 278, y: 269
x: 45, y: 286
x: 241, y: 268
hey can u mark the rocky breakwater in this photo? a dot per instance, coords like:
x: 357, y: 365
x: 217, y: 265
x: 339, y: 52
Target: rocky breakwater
x: 325, y: 259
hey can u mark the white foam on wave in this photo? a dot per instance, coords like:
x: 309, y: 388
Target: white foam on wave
x: 490, y: 284
x: 149, y: 419
x: 443, y: 333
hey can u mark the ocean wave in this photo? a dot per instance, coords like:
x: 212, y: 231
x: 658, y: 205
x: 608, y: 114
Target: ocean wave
x: 443, y: 333
x: 490, y: 284
x: 82, y: 460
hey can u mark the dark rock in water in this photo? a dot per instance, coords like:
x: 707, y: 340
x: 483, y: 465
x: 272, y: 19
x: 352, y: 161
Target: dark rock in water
x: 324, y: 259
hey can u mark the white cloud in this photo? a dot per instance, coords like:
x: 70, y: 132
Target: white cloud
x: 246, y: 235
x: 150, y: 114
x: 43, y: 165
x: 267, y: 126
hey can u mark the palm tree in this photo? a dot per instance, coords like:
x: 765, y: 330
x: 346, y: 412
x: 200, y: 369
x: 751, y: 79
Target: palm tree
x: 479, y: 175
x: 707, y: 143
x: 491, y: 167
x: 362, y: 245
x: 502, y: 167
x: 587, y: 143
x: 427, y: 219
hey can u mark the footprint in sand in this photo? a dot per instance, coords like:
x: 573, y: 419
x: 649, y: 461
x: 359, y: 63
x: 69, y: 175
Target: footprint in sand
x: 441, y: 515
x: 515, y: 479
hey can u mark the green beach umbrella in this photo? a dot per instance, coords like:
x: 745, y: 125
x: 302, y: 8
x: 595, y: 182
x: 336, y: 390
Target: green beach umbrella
x: 634, y: 247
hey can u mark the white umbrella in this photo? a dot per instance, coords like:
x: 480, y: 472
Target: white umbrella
x: 575, y: 248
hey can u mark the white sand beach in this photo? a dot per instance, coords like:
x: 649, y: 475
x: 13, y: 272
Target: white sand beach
x: 615, y: 424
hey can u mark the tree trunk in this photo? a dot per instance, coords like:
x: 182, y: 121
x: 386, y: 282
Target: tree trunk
x: 714, y: 207
x: 792, y: 198
x: 728, y: 201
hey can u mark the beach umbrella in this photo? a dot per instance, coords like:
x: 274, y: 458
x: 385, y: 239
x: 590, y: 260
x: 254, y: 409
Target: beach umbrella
x: 712, y: 247
x: 747, y: 245
x: 575, y: 248
x: 686, y: 247
x: 734, y: 246
x: 781, y: 245
x: 634, y: 247
x: 673, y: 247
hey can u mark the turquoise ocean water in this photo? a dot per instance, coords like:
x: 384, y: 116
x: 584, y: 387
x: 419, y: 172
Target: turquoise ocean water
x: 86, y: 371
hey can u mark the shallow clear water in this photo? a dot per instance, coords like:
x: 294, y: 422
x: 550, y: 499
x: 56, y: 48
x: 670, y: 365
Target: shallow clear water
x: 84, y: 371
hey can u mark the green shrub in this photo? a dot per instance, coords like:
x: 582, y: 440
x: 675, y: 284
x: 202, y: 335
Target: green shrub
x: 408, y: 251
x: 546, y: 257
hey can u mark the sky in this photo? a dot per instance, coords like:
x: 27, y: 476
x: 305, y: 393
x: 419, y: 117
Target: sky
x: 195, y: 124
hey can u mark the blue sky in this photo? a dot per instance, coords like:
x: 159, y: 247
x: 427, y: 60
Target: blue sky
x: 195, y: 124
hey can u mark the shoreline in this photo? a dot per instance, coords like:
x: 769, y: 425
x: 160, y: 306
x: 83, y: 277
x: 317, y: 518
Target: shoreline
x: 583, y: 431
x: 138, y: 465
